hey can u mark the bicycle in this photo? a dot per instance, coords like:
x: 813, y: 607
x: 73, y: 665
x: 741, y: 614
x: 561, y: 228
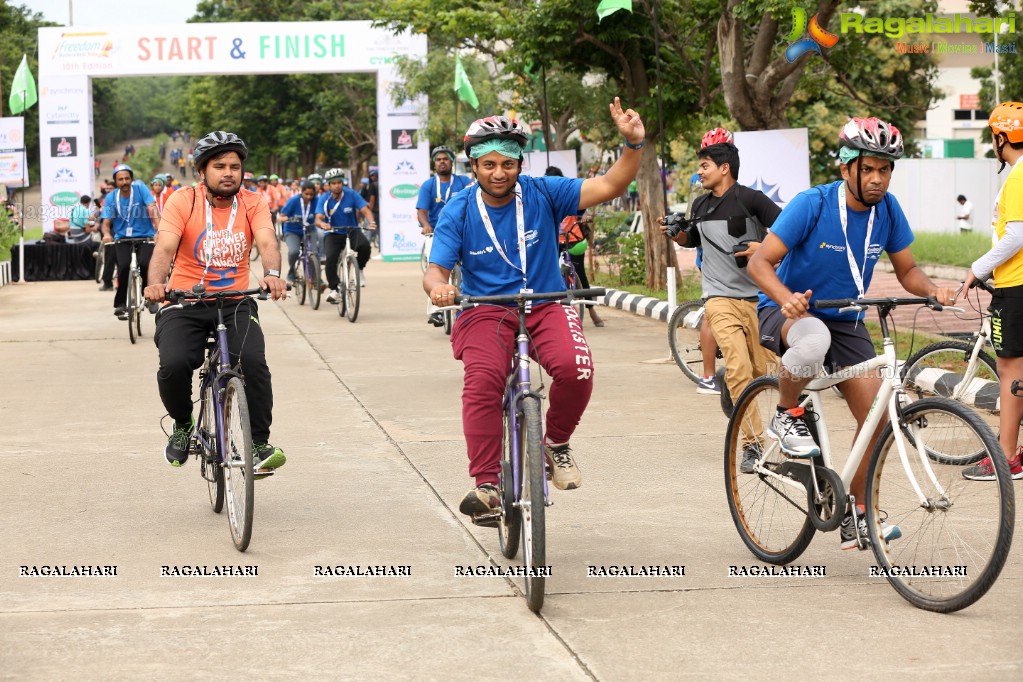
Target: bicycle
x: 571, y: 278
x: 523, y: 480
x: 307, y: 275
x: 684, y: 340
x: 222, y: 437
x: 135, y: 301
x: 424, y: 254
x: 349, y: 278
x: 944, y: 520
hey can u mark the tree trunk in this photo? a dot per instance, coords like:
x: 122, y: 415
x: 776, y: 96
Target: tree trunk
x: 651, y: 203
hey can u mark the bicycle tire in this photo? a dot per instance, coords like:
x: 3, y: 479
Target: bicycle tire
x: 970, y: 524
x: 253, y: 254
x: 238, y: 472
x: 509, y: 526
x: 449, y: 315
x: 100, y: 262
x: 315, y: 280
x: 342, y: 288
x: 138, y: 306
x: 766, y: 512
x: 533, y: 504
x: 209, y: 459
x: 424, y: 253
x: 353, y: 288
x: 132, y: 304
x: 301, y: 284
x: 952, y: 357
x: 684, y: 342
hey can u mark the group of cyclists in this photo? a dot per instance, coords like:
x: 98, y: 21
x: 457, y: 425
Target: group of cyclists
x: 502, y: 230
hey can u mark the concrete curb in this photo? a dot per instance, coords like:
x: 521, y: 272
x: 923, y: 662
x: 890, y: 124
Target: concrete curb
x: 5, y: 273
x: 647, y: 306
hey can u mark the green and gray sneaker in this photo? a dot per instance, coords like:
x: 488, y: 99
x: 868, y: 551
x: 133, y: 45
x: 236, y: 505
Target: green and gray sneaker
x: 267, y: 457
x: 177, y: 445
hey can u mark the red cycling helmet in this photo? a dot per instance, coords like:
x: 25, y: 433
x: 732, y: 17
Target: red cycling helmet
x: 873, y: 136
x: 716, y: 136
x: 495, y: 127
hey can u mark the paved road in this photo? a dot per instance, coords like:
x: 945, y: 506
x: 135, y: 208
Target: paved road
x: 369, y: 416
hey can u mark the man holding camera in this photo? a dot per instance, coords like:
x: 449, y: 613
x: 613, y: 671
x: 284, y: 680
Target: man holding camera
x: 729, y: 222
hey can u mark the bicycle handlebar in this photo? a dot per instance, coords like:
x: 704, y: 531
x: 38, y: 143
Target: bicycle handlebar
x: 864, y: 303
x: 469, y: 301
x: 983, y: 285
x: 134, y: 240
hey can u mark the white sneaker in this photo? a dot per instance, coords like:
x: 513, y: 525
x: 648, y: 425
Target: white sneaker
x: 793, y: 435
x: 561, y: 467
x: 362, y: 278
x: 333, y: 297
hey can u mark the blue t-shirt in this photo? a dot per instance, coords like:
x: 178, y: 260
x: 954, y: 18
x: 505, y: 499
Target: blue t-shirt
x: 341, y: 213
x: 433, y: 203
x: 461, y: 236
x: 129, y: 212
x: 293, y: 209
x: 817, y: 260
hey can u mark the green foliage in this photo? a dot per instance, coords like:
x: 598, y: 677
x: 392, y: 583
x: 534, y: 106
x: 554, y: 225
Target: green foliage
x: 146, y: 160
x: 129, y: 108
x: 9, y: 235
x: 946, y: 248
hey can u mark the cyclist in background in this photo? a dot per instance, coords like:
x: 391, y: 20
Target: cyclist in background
x: 128, y: 213
x: 433, y: 197
x: 504, y: 231
x: 208, y: 231
x: 336, y: 213
x: 300, y: 216
x: 249, y: 181
x: 830, y: 238
x: 1005, y: 263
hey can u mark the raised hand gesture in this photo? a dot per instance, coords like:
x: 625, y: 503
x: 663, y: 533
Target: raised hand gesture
x: 628, y: 122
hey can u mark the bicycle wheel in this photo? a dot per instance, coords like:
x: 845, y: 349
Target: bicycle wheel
x: 533, y: 505
x: 509, y: 526
x: 238, y: 459
x: 684, y: 341
x: 424, y: 254
x: 449, y: 315
x: 342, y: 288
x: 253, y: 254
x: 301, y: 285
x: 353, y: 288
x: 768, y: 506
x: 952, y: 548
x: 208, y: 450
x: 314, y: 280
x: 139, y: 304
x: 100, y: 262
x: 941, y: 369
x: 132, y: 305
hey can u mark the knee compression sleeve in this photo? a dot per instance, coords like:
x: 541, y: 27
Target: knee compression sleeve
x: 808, y: 341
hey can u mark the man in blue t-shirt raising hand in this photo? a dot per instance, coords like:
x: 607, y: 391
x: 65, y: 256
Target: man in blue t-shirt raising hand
x: 830, y: 238
x: 495, y: 229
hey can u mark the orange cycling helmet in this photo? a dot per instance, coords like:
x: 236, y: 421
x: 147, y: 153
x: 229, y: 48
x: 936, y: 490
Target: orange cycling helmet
x: 1007, y: 118
x: 716, y: 136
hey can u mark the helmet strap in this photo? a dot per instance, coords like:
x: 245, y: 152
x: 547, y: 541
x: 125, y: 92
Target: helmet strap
x: 999, y: 145
x: 858, y: 192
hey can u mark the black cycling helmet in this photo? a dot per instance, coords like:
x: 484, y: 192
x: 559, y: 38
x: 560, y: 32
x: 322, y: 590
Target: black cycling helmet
x: 442, y: 149
x: 494, y: 127
x: 262, y: 178
x: 216, y: 143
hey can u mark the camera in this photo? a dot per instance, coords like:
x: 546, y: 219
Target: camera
x: 674, y: 223
x: 741, y: 261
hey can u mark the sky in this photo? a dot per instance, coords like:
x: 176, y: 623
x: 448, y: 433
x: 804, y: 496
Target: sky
x: 106, y: 12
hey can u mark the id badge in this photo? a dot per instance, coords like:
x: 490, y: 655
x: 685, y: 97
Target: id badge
x: 127, y: 231
x: 529, y: 304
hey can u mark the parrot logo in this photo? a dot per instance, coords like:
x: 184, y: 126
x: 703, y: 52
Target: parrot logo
x: 817, y: 39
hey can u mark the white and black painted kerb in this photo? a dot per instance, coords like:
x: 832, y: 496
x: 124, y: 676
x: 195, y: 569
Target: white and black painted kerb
x: 640, y: 305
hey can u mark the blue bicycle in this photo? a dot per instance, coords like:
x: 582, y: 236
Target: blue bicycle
x: 222, y: 438
x: 523, y: 479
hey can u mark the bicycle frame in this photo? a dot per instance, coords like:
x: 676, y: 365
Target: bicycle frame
x: 519, y: 388
x: 216, y: 373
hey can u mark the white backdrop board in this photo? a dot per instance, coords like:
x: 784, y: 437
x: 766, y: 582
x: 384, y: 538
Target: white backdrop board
x: 12, y: 151
x: 535, y: 163
x: 927, y: 191
x: 69, y: 58
x: 776, y: 162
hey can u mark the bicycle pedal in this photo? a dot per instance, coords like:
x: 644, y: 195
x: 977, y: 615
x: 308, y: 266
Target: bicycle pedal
x: 487, y: 520
x: 260, y: 474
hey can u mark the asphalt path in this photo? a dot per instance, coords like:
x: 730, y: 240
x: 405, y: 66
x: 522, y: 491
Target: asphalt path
x: 369, y: 416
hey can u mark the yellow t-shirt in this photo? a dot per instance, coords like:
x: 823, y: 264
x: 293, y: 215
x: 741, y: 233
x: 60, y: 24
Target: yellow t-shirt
x: 1010, y: 209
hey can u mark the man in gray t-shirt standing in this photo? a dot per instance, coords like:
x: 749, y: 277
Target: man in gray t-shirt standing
x: 729, y: 222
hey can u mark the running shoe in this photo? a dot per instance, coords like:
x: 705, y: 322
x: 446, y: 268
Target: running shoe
x: 265, y: 456
x: 849, y: 539
x: 436, y: 319
x: 483, y: 499
x: 789, y: 428
x: 333, y: 296
x: 985, y: 470
x: 708, y: 386
x: 561, y: 467
x: 750, y: 456
x: 176, y: 451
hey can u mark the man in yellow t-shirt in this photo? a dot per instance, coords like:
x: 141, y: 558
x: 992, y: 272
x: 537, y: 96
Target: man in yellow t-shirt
x: 1005, y: 262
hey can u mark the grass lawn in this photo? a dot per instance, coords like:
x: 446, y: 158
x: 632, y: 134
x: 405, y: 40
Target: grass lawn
x: 949, y: 248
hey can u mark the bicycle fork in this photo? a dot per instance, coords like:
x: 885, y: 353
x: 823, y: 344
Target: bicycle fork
x: 520, y: 390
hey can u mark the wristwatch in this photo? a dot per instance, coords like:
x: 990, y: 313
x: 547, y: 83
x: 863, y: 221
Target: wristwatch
x: 273, y: 273
x: 635, y: 146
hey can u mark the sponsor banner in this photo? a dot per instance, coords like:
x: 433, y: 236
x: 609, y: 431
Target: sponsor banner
x: 403, y: 138
x: 776, y: 162
x: 223, y: 48
x: 12, y: 151
x: 63, y: 146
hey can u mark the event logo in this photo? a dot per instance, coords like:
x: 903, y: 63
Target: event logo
x: 63, y: 114
x: 64, y: 199
x: 403, y: 139
x: 96, y: 45
x: 405, y: 168
x: 400, y: 243
x: 64, y: 177
x: 406, y: 191
x: 817, y: 37
x: 63, y: 146
x: 11, y: 138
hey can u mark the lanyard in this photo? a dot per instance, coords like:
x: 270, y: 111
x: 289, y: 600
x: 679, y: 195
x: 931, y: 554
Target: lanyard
x: 210, y: 229
x: 330, y: 214
x: 520, y: 226
x: 117, y: 203
x: 448, y: 194
x: 306, y: 207
x: 844, y: 217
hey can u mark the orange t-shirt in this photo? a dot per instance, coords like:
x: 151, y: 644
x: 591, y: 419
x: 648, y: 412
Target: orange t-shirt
x: 184, y: 214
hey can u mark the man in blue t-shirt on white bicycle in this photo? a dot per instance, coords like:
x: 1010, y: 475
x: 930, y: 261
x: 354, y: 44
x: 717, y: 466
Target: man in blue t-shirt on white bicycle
x: 827, y: 241
x: 129, y: 213
x: 504, y: 231
x: 336, y: 212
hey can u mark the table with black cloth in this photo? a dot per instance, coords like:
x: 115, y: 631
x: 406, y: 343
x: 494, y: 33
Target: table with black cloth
x: 48, y: 261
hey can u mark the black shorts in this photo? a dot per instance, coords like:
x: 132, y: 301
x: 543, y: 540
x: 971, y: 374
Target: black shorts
x: 850, y: 341
x: 1007, y: 322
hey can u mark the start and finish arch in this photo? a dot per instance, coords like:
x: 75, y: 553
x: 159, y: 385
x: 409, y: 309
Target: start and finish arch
x: 70, y: 57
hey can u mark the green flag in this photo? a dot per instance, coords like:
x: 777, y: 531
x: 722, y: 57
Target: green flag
x: 23, y: 89
x: 608, y: 7
x: 462, y: 85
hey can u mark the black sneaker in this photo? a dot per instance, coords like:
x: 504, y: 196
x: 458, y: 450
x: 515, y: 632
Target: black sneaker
x: 177, y: 445
x: 436, y: 319
x: 267, y: 457
x: 750, y: 456
x: 121, y: 310
x: 107, y: 287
